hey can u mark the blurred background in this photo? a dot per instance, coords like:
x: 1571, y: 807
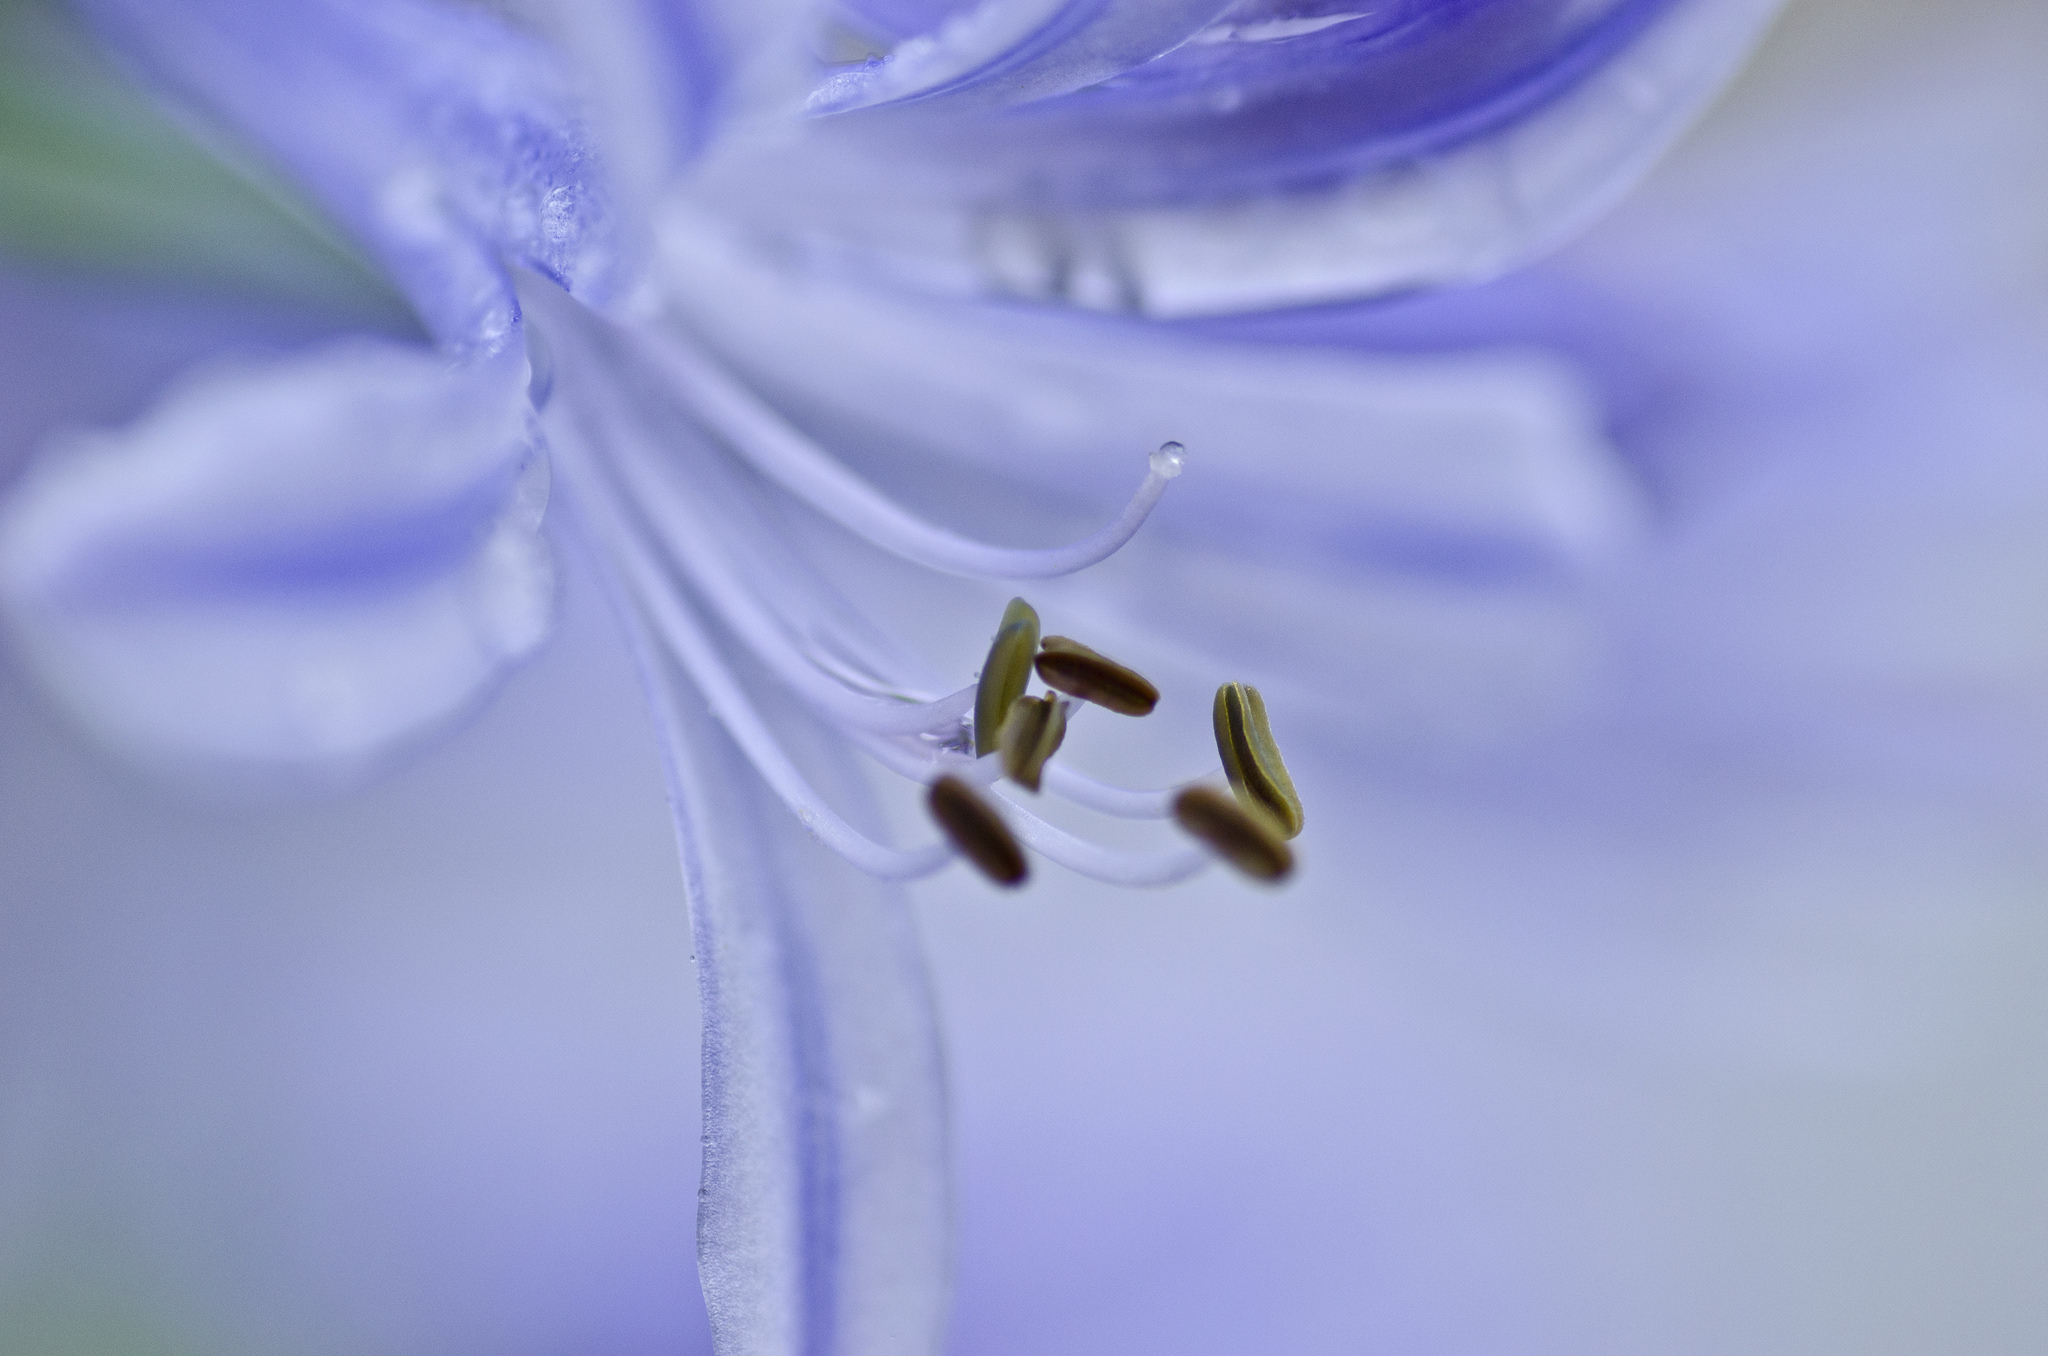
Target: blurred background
x: 1745, y: 1052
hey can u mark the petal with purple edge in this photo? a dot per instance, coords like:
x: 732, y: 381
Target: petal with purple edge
x: 824, y: 1220
x: 1284, y: 156
x: 288, y: 566
x: 1004, y: 52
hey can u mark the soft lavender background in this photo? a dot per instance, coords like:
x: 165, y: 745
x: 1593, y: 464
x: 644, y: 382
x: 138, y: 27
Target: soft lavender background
x: 413, y: 1071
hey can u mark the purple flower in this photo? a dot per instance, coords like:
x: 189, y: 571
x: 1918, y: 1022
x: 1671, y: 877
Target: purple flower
x: 1484, y: 633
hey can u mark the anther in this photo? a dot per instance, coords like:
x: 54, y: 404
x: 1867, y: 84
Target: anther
x: 1031, y: 734
x: 1078, y: 671
x: 1246, y: 838
x: 1252, y: 760
x: 1005, y: 675
x: 972, y: 825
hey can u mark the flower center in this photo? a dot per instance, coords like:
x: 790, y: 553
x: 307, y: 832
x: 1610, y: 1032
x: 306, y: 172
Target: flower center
x: 680, y: 477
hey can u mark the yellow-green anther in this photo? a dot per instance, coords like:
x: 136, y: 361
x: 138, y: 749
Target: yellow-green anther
x: 974, y: 827
x: 1004, y: 676
x: 1031, y: 735
x: 1078, y: 671
x: 1252, y: 760
x: 1245, y: 837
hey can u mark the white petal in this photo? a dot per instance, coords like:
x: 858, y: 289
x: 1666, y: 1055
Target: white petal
x: 286, y: 564
x: 824, y: 1222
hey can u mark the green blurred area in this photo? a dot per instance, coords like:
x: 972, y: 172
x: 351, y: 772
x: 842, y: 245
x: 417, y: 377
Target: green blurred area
x: 87, y: 1324
x: 96, y: 176
x: 82, y: 1293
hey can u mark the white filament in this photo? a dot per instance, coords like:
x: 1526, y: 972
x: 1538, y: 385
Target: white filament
x: 686, y: 641
x: 1122, y: 802
x: 1059, y: 779
x: 689, y: 537
x: 1116, y: 866
x: 783, y: 454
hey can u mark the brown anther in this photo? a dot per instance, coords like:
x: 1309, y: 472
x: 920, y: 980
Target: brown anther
x: 1245, y: 838
x: 1078, y: 671
x: 1005, y: 675
x: 1252, y: 760
x: 1031, y: 734
x: 971, y: 824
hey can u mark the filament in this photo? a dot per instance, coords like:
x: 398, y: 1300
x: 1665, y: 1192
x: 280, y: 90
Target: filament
x: 686, y: 641
x: 1115, y: 866
x: 686, y: 536
x: 1121, y: 802
x: 772, y: 446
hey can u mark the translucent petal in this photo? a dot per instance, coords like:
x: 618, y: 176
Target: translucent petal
x: 1287, y: 155
x: 824, y: 1222
x: 1286, y: 94
x: 287, y: 565
x: 1003, y: 52
x: 899, y: 19
x: 663, y: 78
x: 442, y: 139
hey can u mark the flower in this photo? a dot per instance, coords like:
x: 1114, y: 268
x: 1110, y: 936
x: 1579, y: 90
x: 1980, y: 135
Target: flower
x: 1559, y: 535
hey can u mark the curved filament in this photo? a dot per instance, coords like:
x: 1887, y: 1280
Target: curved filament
x: 686, y: 641
x: 779, y: 451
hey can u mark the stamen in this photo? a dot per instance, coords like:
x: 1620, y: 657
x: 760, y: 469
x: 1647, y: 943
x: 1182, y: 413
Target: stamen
x: 1078, y: 671
x: 1005, y: 675
x: 1059, y: 778
x: 1245, y: 838
x: 694, y: 549
x: 1112, y: 866
x: 1031, y: 734
x: 978, y: 831
x: 1252, y: 760
x: 779, y: 451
